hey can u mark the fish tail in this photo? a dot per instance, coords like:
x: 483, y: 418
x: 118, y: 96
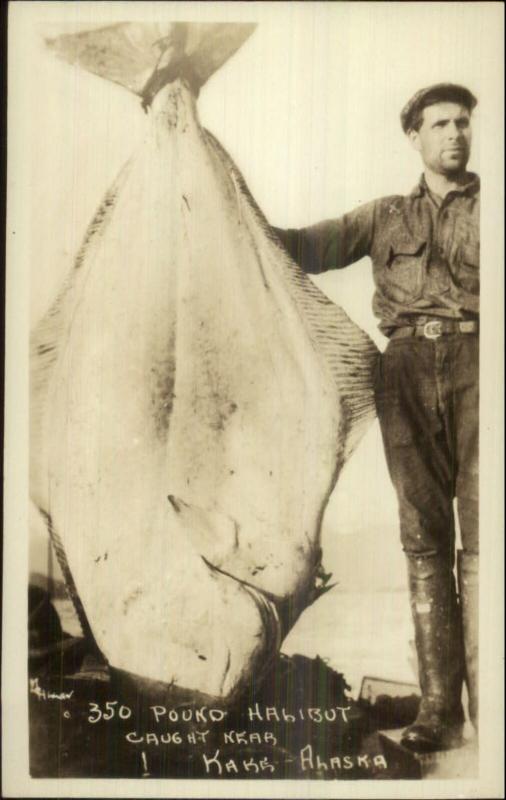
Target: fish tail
x: 143, y: 57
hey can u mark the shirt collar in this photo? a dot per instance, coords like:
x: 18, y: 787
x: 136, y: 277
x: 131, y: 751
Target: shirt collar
x: 471, y: 187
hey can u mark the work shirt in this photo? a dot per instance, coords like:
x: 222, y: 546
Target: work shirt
x: 425, y: 253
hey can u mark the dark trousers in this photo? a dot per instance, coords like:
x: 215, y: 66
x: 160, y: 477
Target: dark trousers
x: 427, y: 397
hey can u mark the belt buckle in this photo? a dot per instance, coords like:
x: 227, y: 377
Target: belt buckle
x: 432, y: 329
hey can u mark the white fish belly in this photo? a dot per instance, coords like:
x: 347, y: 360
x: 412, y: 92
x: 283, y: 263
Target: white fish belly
x: 187, y: 415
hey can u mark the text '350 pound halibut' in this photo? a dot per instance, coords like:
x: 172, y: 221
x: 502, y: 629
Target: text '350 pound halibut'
x: 194, y: 395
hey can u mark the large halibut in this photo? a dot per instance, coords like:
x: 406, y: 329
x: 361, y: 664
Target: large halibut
x: 193, y: 394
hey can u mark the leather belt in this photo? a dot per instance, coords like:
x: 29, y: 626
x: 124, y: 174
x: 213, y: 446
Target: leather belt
x: 436, y: 328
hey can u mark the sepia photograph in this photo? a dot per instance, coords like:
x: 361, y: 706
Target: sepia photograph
x: 254, y: 400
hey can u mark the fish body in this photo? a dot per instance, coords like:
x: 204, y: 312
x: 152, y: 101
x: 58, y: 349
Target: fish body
x: 194, y: 397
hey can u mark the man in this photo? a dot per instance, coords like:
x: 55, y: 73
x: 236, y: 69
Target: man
x: 425, y: 255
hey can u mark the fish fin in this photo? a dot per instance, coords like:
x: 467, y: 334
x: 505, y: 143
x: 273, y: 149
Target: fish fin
x: 320, y: 591
x: 46, y: 340
x: 143, y: 57
x: 213, y: 534
x: 343, y: 348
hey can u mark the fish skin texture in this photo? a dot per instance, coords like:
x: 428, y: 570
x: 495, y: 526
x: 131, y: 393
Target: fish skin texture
x: 193, y: 399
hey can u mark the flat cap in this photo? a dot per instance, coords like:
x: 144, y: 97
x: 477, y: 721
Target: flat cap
x: 439, y: 93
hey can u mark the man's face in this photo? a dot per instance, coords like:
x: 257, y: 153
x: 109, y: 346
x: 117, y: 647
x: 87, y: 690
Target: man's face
x: 444, y: 138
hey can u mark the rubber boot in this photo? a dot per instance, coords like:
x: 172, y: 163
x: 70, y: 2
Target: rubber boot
x: 439, y: 647
x: 468, y: 575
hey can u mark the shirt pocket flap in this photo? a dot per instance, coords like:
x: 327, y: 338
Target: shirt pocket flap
x: 405, y: 248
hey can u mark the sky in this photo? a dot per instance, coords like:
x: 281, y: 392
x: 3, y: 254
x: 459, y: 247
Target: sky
x: 309, y: 110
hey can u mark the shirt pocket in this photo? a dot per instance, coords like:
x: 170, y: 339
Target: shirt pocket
x: 468, y: 273
x: 401, y: 275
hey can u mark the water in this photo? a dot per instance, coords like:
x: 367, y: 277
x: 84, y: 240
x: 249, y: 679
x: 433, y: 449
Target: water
x: 357, y: 633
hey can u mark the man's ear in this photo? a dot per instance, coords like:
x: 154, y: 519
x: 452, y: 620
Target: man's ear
x: 414, y: 138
